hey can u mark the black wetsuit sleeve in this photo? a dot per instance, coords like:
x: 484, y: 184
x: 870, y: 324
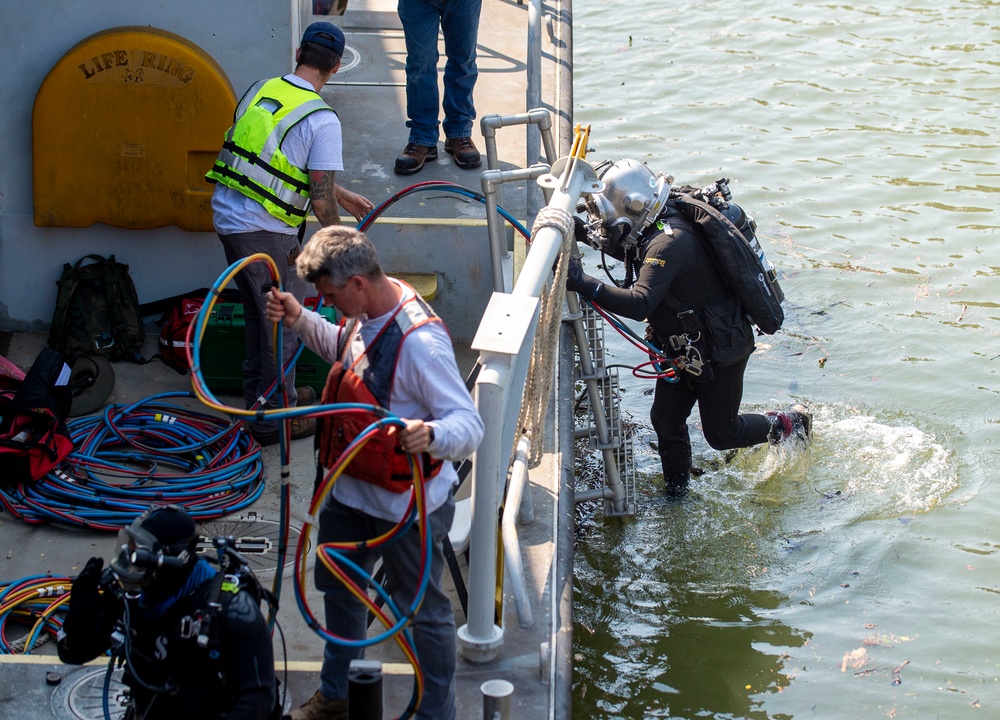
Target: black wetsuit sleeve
x: 664, y: 258
x: 249, y: 660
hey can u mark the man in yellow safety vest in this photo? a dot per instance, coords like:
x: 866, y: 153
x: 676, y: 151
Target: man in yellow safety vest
x: 278, y: 161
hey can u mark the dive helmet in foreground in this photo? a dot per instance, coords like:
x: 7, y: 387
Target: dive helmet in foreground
x: 157, y: 548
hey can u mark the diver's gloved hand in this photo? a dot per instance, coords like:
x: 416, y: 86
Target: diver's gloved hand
x: 580, y: 233
x: 85, y: 633
x: 84, y: 602
x: 580, y: 282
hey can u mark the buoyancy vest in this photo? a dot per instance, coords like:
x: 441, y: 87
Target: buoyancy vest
x: 251, y: 160
x: 369, y: 380
x: 170, y: 671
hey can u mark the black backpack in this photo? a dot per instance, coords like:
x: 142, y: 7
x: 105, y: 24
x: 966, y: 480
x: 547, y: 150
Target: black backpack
x: 97, y: 312
x: 738, y: 263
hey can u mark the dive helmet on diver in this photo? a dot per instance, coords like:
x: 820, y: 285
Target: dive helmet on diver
x: 632, y: 200
x: 159, y: 545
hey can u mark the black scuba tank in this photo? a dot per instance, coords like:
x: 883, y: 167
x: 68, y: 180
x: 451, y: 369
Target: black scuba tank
x: 746, y: 225
x: 737, y: 258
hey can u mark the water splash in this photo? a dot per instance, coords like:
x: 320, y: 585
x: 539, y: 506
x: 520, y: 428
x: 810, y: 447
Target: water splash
x: 898, y: 469
x: 859, y: 466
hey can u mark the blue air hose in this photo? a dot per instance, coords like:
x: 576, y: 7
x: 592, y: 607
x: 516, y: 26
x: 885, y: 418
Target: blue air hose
x: 149, y: 452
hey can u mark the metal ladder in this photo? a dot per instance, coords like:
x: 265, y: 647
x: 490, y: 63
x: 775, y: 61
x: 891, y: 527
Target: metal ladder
x: 605, y: 431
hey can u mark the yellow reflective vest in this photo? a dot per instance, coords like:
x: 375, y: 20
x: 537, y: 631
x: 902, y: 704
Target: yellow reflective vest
x: 251, y: 160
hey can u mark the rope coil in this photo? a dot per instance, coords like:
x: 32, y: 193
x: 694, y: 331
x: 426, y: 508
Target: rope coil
x: 541, y: 370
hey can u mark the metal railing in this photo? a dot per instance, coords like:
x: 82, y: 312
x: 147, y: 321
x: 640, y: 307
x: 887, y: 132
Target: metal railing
x: 504, y: 360
x: 504, y: 341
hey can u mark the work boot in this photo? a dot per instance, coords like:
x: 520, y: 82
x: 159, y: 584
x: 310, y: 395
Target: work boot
x: 465, y: 152
x: 302, y: 427
x: 319, y: 707
x: 413, y: 158
x: 796, y: 422
x: 675, y: 486
x: 304, y: 395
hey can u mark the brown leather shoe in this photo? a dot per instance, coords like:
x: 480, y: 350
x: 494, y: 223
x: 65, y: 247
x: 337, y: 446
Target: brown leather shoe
x: 305, y: 395
x: 303, y: 427
x: 465, y: 152
x: 318, y: 707
x: 413, y: 158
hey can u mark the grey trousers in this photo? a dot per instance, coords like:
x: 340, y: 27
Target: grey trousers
x: 258, y: 368
x: 433, y: 627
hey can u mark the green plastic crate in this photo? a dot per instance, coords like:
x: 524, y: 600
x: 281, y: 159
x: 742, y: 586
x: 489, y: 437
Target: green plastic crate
x: 223, y: 350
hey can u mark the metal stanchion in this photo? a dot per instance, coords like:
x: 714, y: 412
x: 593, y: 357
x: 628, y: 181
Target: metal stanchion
x: 364, y: 690
x: 496, y: 699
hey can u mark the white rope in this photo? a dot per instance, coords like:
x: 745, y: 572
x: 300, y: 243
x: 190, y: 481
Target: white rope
x: 17, y: 646
x: 541, y: 375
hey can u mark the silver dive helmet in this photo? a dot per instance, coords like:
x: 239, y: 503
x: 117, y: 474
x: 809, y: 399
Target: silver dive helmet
x: 632, y: 200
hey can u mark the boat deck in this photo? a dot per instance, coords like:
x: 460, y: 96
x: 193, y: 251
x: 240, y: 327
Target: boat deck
x: 369, y: 92
x: 369, y: 86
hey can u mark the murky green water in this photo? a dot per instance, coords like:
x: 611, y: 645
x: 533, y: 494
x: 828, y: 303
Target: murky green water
x: 792, y: 583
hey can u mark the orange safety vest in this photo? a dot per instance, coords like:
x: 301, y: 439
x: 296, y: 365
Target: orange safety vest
x: 369, y: 381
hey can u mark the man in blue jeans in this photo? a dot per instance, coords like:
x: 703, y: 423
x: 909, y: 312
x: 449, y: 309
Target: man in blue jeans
x: 458, y: 21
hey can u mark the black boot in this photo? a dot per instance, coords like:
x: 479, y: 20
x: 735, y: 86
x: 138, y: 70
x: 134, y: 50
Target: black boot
x: 796, y: 422
x: 676, y: 464
x: 676, y: 485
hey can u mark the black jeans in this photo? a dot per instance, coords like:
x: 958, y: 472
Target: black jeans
x: 719, y: 406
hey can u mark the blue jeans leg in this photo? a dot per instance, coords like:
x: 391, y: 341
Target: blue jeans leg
x: 460, y: 27
x: 421, y: 20
x: 433, y: 626
x: 258, y: 368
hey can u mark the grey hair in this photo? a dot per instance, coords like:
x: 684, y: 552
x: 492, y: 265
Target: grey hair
x: 338, y: 252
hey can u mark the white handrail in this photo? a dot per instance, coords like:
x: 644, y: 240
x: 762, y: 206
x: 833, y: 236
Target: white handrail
x: 508, y: 531
x: 504, y: 356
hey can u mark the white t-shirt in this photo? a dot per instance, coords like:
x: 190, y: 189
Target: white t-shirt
x: 426, y: 386
x: 316, y: 143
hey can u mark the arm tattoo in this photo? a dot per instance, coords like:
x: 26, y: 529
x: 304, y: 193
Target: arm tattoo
x: 322, y: 192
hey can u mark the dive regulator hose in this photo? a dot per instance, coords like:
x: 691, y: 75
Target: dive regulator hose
x: 36, y: 601
x: 438, y: 185
x: 129, y: 457
x: 328, y: 554
x: 658, y: 367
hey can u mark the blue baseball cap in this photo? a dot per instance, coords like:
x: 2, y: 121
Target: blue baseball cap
x: 326, y: 34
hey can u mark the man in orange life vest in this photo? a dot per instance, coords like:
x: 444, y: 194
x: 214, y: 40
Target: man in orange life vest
x: 396, y: 353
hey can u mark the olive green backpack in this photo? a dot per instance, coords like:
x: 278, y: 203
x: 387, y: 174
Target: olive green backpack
x: 97, y: 312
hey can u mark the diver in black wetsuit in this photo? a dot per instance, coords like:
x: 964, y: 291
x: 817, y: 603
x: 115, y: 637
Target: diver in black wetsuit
x: 691, y: 313
x: 152, y: 608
